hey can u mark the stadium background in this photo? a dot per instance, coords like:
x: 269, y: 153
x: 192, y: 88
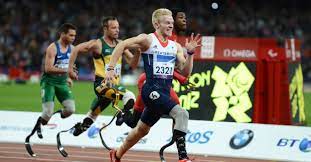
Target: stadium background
x: 28, y: 27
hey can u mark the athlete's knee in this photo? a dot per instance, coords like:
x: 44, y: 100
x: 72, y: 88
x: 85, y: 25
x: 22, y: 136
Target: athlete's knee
x: 184, y: 114
x: 43, y: 121
x: 179, y: 113
x: 181, y: 118
x: 69, y: 108
x: 129, y: 98
x: 47, y: 112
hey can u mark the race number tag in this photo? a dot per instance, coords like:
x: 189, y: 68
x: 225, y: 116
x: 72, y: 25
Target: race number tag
x: 117, y: 69
x: 62, y: 66
x: 163, y: 66
x: 163, y: 69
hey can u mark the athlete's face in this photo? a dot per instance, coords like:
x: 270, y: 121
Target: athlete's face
x: 69, y: 37
x: 166, y: 25
x: 112, y: 30
x: 181, y: 21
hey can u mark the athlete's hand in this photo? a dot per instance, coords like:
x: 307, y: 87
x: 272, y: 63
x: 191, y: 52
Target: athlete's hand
x: 73, y: 73
x: 110, y: 76
x: 193, y: 43
x: 69, y: 82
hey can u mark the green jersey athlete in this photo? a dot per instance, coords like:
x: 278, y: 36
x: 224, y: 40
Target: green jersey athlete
x: 55, y: 80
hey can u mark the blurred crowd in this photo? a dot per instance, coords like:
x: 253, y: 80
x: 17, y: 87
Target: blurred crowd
x: 28, y: 26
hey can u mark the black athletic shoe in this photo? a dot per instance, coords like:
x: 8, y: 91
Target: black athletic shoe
x: 79, y: 129
x: 82, y: 127
x: 120, y: 119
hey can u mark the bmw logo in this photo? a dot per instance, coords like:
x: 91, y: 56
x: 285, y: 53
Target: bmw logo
x: 241, y: 139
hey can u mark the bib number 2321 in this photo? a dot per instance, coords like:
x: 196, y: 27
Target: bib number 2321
x: 163, y: 69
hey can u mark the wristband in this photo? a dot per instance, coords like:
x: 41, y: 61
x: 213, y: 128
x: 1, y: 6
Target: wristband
x: 190, y: 53
x: 110, y: 68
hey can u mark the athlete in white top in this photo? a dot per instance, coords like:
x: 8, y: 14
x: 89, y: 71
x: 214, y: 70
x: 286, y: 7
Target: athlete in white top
x: 159, y: 55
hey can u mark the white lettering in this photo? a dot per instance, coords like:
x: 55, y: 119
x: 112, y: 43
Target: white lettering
x: 239, y: 53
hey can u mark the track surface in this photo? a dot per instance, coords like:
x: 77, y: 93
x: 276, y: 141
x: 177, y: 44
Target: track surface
x: 45, y: 153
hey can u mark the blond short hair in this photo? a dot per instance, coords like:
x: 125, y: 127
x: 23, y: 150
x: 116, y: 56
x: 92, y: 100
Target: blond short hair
x: 160, y: 12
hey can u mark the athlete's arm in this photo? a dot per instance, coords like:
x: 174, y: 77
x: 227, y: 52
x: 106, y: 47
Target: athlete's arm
x: 49, y: 61
x: 185, y: 65
x: 181, y: 79
x: 132, y: 58
x: 141, y: 41
x: 80, y: 48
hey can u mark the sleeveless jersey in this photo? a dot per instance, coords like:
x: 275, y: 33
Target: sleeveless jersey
x: 159, y: 62
x: 61, y: 61
x: 101, y: 61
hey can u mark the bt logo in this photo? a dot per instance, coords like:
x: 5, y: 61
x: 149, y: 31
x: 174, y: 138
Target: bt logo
x: 304, y: 144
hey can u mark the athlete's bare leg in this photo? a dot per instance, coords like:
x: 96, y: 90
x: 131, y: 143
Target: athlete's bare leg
x: 134, y: 136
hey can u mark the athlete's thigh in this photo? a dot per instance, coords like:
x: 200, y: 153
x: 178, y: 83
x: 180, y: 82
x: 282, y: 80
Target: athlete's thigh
x: 104, y: 102
x: 47, y: 91
x: 150, y: 116
x: 63, y: 92
x: 158, y: 100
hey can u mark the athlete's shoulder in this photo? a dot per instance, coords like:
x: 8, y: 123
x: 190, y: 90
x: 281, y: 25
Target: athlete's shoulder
x: 145, y: 37
x: 98, y: 40
x: 96, y: 43
x: 51, y: 47
x: 145, y: 40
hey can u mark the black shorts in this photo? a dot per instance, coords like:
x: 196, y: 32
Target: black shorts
x: 157, y: 101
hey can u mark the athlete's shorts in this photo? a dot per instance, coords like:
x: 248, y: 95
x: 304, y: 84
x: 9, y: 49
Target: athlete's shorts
x: 50, y: 90
x: 139, y: 104
x: 102, y: 101
x: 158, y: 102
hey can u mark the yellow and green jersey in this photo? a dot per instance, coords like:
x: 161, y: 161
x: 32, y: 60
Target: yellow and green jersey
x: 101, y: 61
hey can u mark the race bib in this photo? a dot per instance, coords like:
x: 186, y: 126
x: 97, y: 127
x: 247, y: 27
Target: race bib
x: 163, y: 66
x: 117, y: 69
x: 163, y: 69
x: 62, y: 66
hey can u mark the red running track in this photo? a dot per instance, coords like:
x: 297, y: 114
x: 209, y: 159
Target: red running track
x: 10, y: 152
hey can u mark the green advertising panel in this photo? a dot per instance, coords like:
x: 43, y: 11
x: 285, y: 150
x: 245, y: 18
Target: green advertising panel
x: 224, y: 91
x: 296, y: 93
